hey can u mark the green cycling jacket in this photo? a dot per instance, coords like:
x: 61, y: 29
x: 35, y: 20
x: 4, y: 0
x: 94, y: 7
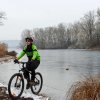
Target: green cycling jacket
x: 31, y: 52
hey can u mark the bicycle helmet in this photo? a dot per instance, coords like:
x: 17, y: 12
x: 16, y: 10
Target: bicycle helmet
x: 29, y: 38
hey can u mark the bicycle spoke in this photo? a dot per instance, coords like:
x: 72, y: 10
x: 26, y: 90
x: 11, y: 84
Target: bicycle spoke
x: 38, y: 84
x: 16, y: 87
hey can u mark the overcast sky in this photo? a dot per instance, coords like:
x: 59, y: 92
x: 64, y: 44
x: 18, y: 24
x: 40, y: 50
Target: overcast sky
x: 29, y: 14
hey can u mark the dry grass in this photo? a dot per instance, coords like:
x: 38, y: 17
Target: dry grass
x: 89, y: 89
x: 11, y: 53
x: 3, y: 49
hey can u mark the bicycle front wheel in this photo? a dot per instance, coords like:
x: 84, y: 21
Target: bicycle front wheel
x: 16, y: 86
x: 36, y: 88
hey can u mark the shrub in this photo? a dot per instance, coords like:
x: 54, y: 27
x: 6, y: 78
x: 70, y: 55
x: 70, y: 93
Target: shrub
x: 3, y: 49
x: 89, y: 89
x: 11, y: 53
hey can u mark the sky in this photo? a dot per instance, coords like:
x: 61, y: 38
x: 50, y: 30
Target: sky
x: 30, y: 14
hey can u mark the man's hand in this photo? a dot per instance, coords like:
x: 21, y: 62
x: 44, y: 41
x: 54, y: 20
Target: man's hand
x: 16, y: 61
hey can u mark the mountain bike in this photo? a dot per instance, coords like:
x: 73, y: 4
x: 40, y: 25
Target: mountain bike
x: 16, y: 82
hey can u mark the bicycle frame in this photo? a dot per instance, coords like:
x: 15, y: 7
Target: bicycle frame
x: 23, y: 69
x: 18, y: 84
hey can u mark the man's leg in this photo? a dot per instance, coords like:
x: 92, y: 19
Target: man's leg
x: 26, y: 75
x: 33, y: 75
x: 35, y: 64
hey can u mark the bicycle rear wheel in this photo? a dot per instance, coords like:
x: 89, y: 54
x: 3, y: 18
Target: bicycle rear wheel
x: 38, y: 83
x: 16, y: 86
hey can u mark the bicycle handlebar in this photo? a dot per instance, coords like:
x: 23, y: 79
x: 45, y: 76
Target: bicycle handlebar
x: 20, y: 62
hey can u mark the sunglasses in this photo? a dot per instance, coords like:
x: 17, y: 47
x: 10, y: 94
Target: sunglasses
x: 28, y: 41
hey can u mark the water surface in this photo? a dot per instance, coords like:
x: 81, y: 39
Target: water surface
x: 58, y: 80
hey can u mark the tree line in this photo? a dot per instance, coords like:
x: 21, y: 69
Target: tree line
x: 84, y: 33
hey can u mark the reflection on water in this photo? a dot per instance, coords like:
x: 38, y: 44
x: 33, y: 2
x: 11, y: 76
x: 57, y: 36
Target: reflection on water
x: 57, y: 80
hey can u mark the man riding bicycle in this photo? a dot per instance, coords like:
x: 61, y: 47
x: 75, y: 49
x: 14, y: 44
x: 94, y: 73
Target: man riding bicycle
x: 33, y: 60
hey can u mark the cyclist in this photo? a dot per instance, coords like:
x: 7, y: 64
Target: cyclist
x: 33, y: 60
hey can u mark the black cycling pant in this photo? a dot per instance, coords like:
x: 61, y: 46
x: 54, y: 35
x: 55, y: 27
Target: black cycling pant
x: 31, y: 66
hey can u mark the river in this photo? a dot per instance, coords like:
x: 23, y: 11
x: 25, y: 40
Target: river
x: 60, y: 69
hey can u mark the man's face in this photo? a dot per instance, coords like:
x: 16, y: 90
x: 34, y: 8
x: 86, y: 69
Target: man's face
x: 28, y: 42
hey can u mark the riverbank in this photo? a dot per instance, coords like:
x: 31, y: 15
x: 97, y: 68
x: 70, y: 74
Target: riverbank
x: 26, y: 96
x: 95, y: 48
x: 6, y: 58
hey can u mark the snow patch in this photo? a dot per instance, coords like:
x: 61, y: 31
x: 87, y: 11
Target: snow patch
x: 27, y: 94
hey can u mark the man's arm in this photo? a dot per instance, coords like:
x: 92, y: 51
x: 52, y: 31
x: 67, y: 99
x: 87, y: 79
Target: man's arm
x: 21, y: 55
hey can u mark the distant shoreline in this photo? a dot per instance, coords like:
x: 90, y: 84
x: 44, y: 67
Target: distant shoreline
x: 95, y: 48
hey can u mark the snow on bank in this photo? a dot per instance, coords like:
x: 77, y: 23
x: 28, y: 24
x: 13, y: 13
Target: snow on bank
x: 35, y: 97
x: 1, y: 85
x: 25, y: 94
x: 6, y: 58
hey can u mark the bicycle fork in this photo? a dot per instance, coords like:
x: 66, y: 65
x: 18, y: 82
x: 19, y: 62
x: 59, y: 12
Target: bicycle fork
x: 18, y: 81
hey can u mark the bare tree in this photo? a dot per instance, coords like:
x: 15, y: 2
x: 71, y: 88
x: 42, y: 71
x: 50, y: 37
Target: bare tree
x: 2, y: 17
x: 88, y: 27
x: 25, y: 33
x: 39, y: 37
x: 82, y: 34
x: 97, y: 25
